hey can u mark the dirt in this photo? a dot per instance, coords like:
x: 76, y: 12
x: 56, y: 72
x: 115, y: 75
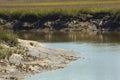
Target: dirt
x: 38, y: 59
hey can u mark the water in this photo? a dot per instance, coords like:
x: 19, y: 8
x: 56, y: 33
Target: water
x: 101, y: 59
x: 87, y: 37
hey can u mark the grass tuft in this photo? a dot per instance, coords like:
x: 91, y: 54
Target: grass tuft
x: 9, y: 38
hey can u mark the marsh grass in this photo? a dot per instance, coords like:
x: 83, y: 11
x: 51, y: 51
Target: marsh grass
x: 5, y: 53
x: 32, y: 15
x: 8, y: 38
x: 9, y: 45
x: 59, y: 3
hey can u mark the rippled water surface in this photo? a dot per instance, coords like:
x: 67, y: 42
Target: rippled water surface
x: 100, y: 56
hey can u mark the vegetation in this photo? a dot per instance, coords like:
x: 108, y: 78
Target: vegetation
x: 34, y: 10
x: 9, y: 38
x: 52, y: 4
x: 62, y: 3
x: 32, y: 15
x: 5, y: 53
x: 9, y: 45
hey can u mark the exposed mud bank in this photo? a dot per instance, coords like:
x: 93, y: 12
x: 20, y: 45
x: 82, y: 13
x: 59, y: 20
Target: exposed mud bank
x: 103, y: 21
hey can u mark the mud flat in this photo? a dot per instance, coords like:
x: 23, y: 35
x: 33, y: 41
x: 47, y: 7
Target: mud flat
x: 36, y: 58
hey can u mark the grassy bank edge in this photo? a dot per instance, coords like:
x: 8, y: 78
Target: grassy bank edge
x: 36, y: 14
x: 7, y: 41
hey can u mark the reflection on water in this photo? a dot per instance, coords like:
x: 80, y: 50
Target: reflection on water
x: 71, y: 36
x: 101, y: 58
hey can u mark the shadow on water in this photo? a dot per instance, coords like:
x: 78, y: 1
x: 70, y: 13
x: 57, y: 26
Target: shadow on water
x: 94, y: 37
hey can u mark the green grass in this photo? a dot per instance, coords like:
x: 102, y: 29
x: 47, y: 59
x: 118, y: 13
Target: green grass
x: 19, y: 13
x: 5, y: 39
x: 35, y: 14
x: 5, y: 53
x: 8, y: 38
x: 41, y: 10
x: 33, y: 10
x: 9, y: 45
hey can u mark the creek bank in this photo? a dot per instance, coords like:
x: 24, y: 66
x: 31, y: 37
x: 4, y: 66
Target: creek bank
x: 36, y: 58
x: 82, y: 22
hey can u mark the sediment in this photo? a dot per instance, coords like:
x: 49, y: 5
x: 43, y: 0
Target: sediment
x: 36, y: 58
x: 102, y: 21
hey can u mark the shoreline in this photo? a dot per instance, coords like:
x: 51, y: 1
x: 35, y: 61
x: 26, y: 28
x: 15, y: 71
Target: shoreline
x: 66, y: 20
x: 38, y: 58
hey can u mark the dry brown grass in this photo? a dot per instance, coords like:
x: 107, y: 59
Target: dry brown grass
x: 61, y: 4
